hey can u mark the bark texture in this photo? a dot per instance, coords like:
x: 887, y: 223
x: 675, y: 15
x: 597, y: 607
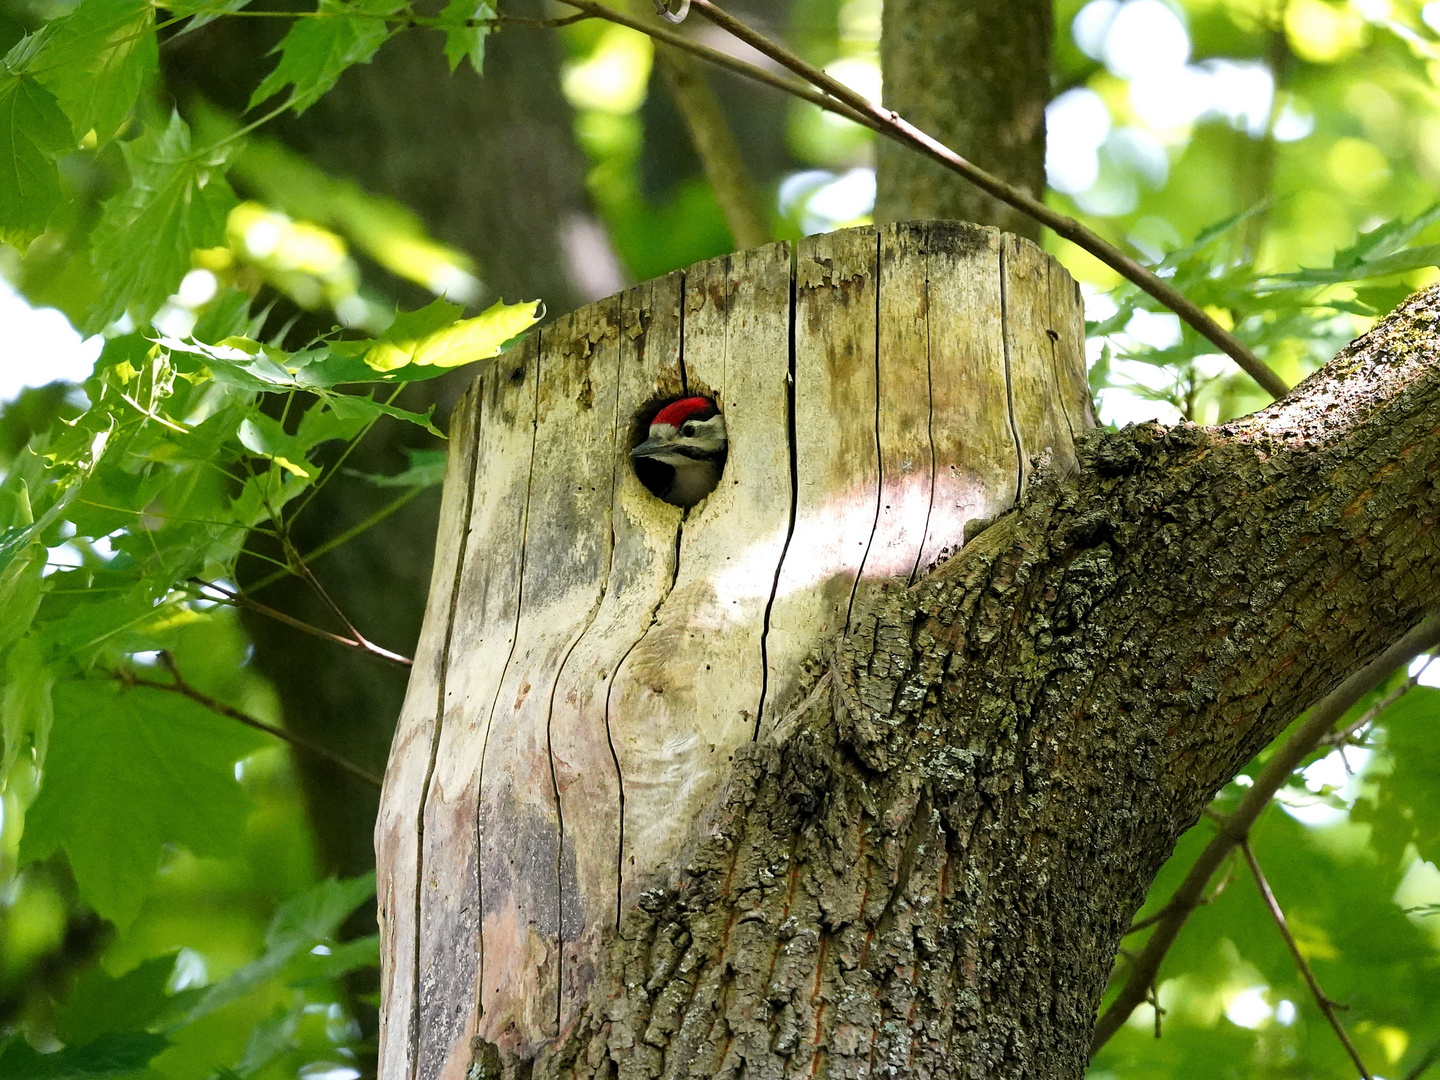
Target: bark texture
x: 976, y: 75
x: 926, y: 871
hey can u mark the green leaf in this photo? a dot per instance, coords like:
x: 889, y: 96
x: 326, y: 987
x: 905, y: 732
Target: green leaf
x: 203, y: 11
x: 424, y: 338
x: 114, y: 1054
x: 262, y: 435
x: 310, y: 919
x: 96, y: 61
x: 130, y: 771
x: 312, y: 967
x: 20, y: 593
x: 359, y: 407
x: 319, y: 47
x: 32, y: 131
x: 98, y: 1004
x: 178, y: 201
x: 26, y: 712
x: 465, y: 24
x: 1405, y: 805
x: 1399, y: 262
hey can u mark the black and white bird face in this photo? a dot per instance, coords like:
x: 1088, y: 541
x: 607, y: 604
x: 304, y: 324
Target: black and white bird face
x: 689, y: 437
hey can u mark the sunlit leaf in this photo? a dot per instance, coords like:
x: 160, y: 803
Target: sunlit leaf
x: 96, y: 61
x: 422, y: 338
x: 466, y: 25
x: 33, y: 130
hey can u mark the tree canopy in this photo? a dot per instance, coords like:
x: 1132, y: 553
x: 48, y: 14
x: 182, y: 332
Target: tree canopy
x: 207, y: 321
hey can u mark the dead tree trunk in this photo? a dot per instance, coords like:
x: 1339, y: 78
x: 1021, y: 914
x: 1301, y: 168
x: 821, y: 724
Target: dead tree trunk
x: 938, y: 820
x: 593, y: 659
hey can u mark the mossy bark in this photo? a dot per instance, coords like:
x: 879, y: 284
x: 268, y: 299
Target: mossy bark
x: 927, y: 870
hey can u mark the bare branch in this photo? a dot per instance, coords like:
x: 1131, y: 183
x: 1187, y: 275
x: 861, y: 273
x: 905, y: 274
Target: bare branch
x: 1326, y: 1005
x: 715, y: 145
x: 892, y: 125
x: 1233, y: 829
x: 184, y: 689
x: 1423, y: 1065
x: 239, y: 599
x: 1369, y: 716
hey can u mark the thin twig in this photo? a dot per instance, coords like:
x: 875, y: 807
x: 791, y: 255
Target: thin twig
x: 711, y: 135
x: 239, y: 599
x: 1232, y: 829
x: 836, y: 97
x: 1326, y: 1005
x: 725, y: 60
x: 1368, y: 717
x: 184, y: 689
x: 1423, y: 1065
x: 336, y: 541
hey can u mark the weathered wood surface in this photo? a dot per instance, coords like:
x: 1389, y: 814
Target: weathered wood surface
x: 593, y: 657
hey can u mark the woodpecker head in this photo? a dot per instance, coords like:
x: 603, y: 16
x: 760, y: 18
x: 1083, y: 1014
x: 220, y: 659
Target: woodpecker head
x: 687, y: 437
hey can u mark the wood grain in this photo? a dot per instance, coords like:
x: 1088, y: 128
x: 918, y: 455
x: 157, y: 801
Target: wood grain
x: 638, y: 578
x: 566, y: 554
x: 976, y: 461
x: 412, y: 752
x: 836, y: 452
x: 690, y: 691
x: 487, y: 607
x: 592, y: 657
x: 907, y: 463
x: 1037, y: 401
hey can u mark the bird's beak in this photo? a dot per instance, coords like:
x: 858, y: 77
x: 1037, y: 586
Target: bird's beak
x: 650, y: 448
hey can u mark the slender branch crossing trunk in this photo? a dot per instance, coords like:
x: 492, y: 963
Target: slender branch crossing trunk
x: 976, y: 75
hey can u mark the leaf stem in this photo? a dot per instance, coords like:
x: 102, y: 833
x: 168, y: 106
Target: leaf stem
x: 336, y: 541
x: 184, y: 689
x: 239, y: 599
x: 1326, y: 1005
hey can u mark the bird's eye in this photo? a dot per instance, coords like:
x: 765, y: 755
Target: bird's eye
x: 688, y: 430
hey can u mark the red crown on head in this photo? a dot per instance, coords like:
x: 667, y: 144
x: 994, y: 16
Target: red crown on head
x: 690, y: 408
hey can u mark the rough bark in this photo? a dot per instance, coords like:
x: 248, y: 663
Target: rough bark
x: 976, y: 75
x: 927, y: 873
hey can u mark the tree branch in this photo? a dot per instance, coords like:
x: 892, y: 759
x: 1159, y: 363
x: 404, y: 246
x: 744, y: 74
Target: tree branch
x: 715, y: 145
x: 239, y: 599
x: 1423, y: 1065
x: 1326, y: 1005
x: 1236, y: 827
x: 184, y: 689
x: 839, y: 98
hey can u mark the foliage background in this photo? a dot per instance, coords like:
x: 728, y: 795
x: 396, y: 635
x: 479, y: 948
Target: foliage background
x: 175, y: 265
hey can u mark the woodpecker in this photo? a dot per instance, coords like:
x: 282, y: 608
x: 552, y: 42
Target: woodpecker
x: 687, y: 438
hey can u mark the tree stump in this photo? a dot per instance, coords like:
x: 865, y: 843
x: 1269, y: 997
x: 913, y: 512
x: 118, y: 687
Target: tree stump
x: 592, y: 657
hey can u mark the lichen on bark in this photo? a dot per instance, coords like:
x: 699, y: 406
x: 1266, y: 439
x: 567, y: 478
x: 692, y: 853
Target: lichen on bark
x: 929, y: 873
